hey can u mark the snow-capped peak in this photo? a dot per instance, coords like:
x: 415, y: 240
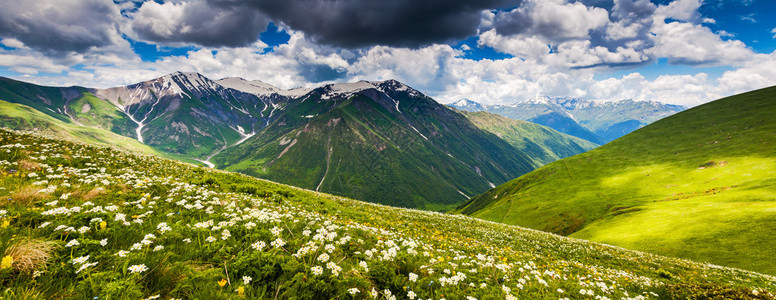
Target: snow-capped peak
x: 353, y: 87
x: 190, y: 81
x: 252, y: 87
x: 259, y: 88
x: 347, y: 89
x: 468, y: 104
x: 538, y: 100
x: 465, y: 102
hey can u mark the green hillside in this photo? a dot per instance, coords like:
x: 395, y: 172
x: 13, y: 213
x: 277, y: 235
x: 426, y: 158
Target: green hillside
x: 22, y: 117
x: 543, y: 144
x: 48, y: 100
x: 700, y: 185
x: 94, y: 112
x: 91, y: 222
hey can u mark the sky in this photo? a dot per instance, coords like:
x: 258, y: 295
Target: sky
x: 685, y: 52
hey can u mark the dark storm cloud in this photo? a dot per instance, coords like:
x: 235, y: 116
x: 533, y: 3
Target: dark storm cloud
x: 512, y: 22
x: 198, y: 22
x: 56, y: 28
x: 361, y: 23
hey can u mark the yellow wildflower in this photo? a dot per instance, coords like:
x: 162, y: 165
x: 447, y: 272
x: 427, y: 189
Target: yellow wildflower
x: 103, y: 224
x: 5, y: 224
x: 240, y: 291
x: 222, y: 282
x: 7, y: 262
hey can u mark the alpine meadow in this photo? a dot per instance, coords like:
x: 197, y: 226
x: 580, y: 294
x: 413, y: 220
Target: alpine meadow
x: 402, y: 149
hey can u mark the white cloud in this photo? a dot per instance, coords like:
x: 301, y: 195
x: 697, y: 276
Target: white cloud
x: 554, y: 20
x: 683, y: 10
x: 686, y: 43
x: 531, y: 47
x: 31, y: 64
x: 13, y: 43
x: 749, y: 18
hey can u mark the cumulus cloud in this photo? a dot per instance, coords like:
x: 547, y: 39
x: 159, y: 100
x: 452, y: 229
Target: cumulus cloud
x: 555, y: 20
x: 198, y: 22
x: 50, y: 26
x: 631, y: 20
x: 682, y: 10
x: 30, y: 64
x: 572, y: 34
x: 687, y: 43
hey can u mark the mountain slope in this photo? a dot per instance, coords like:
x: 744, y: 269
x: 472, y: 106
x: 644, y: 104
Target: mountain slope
x: 110, y: 224
x: 611, y: 120
x: 184, y: 114
x: 596, y: 121
x: 22, y: 117
x: 381, y: 142
x: 699, y: 184
x: 544, y: 145
x: 565, y: 124
x: 189, y: 114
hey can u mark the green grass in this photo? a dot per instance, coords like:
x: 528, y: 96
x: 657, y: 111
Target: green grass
x: 192, y: 227
x: 700, y: 185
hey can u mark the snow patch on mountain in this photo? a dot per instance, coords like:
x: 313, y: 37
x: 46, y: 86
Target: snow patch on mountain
x: 344, y: 90
x: 260, y: 88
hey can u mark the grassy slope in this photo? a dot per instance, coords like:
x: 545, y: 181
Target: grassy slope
x: 543, y: 144
x: 657, y: 190
x: 45, y: 99
x: 376, y: 247
x: 98, y: 113
x: 22, y: 117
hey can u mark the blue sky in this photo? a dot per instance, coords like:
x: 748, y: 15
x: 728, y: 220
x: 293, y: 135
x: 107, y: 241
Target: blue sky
x: 492, y: 51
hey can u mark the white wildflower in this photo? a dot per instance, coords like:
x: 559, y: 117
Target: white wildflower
x: 137, y: 268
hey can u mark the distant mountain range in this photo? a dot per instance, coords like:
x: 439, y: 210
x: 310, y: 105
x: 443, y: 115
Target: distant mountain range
x: 377, y: 141
x: 699, y: 184
x: 596, y: 121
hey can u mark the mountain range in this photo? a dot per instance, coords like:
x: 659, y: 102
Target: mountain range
x: 380, y: 141
x: 597, y: 121
x: 699, y: 184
